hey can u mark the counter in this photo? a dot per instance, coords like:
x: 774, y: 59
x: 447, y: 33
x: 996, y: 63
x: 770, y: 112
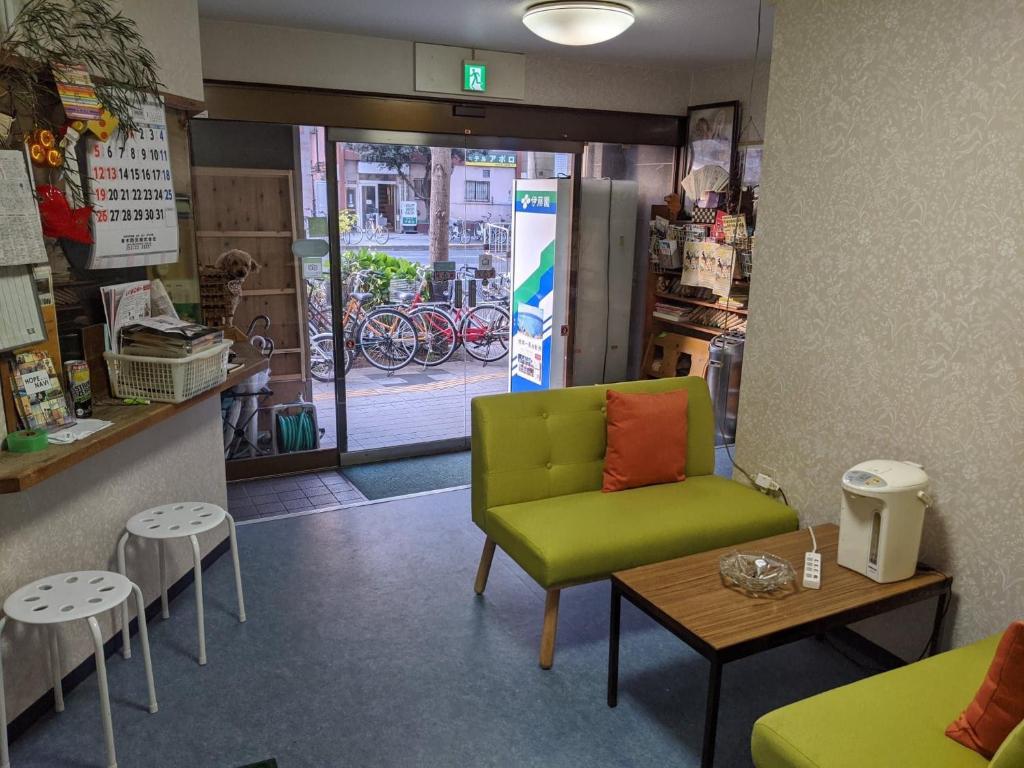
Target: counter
x: 64, y: 509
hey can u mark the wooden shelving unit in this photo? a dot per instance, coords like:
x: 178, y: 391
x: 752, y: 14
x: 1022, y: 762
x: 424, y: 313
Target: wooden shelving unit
x: 699, y: 302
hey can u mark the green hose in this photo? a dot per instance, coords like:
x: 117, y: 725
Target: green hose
x: 296, y: 433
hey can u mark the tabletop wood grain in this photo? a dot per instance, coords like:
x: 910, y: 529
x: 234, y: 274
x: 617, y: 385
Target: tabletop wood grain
x: 689, y: 592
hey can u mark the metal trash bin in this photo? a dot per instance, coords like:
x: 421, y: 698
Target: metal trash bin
x: 725, y: 369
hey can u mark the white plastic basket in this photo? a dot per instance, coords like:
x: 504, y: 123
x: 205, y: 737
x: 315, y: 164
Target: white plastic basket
x: 168, y: 380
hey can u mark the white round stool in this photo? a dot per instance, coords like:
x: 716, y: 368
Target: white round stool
x: 68, y: 597
x: 178, y: 521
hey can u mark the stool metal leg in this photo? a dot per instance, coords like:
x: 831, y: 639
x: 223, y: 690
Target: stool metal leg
x: 126, y: 642
x: 200, y: 624
x: 238, y: 570
x: 165, y: 611
x: 58, y: 691
x: 101, y: 674
x: 5, y: 758
x: 140, y: 606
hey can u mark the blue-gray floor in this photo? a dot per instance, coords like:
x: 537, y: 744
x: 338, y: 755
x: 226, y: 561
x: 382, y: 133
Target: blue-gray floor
x: 365, y: 646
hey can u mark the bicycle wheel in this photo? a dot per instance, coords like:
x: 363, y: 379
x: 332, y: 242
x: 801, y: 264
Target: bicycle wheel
x: 436, y: 335
x: 382, y: 235
x: 387, y: 338
x: 321, y: 357
x: 485, y: 332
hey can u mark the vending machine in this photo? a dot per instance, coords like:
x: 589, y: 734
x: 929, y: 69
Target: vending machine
x: 541, y: 238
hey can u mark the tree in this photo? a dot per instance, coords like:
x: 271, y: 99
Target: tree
x: 440, y: 197
x: 436, y: 187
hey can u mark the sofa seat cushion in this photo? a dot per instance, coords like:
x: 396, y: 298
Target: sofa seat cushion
x: 897, y: 718
x: 586, y: 536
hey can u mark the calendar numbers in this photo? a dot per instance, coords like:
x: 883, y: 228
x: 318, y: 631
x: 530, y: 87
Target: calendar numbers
x: 132, y: 195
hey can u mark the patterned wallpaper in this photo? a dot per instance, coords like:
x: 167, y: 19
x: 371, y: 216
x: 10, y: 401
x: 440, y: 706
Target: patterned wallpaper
x: 888, y: 299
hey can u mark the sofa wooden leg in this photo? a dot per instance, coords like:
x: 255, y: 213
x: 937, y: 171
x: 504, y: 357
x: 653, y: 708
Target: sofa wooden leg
x: 547, y: 637
x: 485, y: 565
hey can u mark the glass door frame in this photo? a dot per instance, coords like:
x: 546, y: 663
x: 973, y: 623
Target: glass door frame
x: 336, y: 136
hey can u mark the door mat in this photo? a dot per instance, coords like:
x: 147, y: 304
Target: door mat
x: 271, y: 763
x: 404, y: 476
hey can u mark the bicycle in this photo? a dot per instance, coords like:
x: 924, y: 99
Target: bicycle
x: 376, y: 229
x: 385, y: 335
x: 458, y: 232
x: 348, y: 227
x: 483, y: 330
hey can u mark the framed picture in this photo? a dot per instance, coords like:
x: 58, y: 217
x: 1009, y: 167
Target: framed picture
x: 712, y: 131
x: 750, y: 164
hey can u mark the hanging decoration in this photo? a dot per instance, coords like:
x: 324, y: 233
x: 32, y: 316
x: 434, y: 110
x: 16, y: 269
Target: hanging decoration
x: 42, y: 149
x: 86, y: 51
x: 60, y: 219
x: 102, y: 127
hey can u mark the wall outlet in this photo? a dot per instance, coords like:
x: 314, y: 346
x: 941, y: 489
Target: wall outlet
x: 766, y: 483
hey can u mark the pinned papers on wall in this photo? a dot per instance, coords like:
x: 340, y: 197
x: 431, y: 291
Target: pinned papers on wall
x: 21, y: 234
x: 134, y: 217
x: 21, y: 320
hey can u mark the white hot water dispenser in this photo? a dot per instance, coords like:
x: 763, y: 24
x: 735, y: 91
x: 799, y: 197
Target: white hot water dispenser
x: 882, y: 518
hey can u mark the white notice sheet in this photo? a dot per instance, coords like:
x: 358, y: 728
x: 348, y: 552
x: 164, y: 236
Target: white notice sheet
x: 21, y: 234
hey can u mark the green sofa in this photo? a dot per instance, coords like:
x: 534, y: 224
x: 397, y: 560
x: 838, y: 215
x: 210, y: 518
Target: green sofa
x: 537, y: 472
x: 897, y: 718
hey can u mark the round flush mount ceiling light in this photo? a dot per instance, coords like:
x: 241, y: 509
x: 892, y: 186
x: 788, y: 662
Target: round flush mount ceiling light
x: 578, y: 22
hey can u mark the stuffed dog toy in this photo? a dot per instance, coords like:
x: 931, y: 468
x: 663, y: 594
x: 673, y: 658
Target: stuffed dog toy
x: 237, y: 264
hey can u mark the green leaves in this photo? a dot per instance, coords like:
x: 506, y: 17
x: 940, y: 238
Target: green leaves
x: 384, y: 267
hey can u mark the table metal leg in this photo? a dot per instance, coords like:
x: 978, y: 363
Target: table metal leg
x: 940, y: 613
x: 707, y: 759
x: 613, y: 647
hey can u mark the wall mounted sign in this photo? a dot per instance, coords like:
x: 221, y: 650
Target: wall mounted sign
x: 474, y: 76
x: 490, y: 158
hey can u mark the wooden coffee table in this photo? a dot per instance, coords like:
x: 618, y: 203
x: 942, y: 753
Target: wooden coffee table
x: 688, y: 598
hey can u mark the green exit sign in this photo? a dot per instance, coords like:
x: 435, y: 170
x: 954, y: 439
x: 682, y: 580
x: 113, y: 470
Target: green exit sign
x: 474, y: 76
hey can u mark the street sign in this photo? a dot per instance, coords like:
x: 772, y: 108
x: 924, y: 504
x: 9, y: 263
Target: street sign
x: 485, y: 267
x: 409, y: 214
x: 489, y: 158
x: 444, y: 270
x: 474, y: 76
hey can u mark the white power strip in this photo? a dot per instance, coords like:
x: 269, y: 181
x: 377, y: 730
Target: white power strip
x: 766, y: 483
x: 812, y: 570
x: 812, y: 564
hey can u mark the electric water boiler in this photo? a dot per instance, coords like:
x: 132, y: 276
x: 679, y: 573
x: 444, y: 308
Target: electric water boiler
x: 882, y: 518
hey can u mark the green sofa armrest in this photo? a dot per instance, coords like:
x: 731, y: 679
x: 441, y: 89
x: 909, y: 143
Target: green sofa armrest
x: 1011, y: 753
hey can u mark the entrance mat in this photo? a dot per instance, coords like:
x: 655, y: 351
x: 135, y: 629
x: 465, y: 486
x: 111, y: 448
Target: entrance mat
x: 271, y: 763
x: 398, y: 478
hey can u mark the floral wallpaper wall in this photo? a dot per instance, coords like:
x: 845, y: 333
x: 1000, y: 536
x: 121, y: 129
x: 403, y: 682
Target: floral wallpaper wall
x: 887, y: 307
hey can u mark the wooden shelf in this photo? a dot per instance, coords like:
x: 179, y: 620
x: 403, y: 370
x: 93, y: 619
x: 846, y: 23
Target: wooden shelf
x: 268, y: 292
x: 699, y: 302
x: 692, y: 326
x: 20, y: 471
x: 244, y: 233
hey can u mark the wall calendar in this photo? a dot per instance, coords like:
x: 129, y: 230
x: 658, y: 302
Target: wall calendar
x: 134, y: 218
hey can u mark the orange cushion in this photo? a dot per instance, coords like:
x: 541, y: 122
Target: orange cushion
x: 646, y: 439
x: 998, y: 707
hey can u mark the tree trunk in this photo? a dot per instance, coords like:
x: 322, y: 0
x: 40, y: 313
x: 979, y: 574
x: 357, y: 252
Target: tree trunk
x: 440, y: 198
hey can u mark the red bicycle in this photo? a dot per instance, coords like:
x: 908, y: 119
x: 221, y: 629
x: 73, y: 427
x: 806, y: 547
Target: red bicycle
x: 483, y: 331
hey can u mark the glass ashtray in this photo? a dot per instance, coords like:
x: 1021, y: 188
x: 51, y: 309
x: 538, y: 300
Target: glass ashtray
x: 758, y: 573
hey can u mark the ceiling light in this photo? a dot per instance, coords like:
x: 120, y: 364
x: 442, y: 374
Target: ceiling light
x: 578, y: 22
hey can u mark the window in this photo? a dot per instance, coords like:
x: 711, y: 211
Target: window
x: 478, y: 191
x: 487, y: 173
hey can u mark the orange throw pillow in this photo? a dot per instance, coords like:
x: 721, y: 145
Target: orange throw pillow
x: 998, y: 707
x: 646, y: 439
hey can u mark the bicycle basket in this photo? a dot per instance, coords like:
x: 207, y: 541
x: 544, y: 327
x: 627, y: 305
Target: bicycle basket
x: 398, y: 287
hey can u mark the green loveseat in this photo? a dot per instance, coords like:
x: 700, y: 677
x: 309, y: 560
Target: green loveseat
x: 537, y: 472
x: 897, y: 718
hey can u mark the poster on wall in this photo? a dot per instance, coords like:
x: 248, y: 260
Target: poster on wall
x: 134, y: 217
x: 534, y: 246
x: 708, y: 265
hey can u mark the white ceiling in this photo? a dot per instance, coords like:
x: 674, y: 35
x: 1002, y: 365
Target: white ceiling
x: 690, y: 33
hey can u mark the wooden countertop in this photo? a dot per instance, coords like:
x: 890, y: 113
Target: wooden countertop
x: 20, y: 471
